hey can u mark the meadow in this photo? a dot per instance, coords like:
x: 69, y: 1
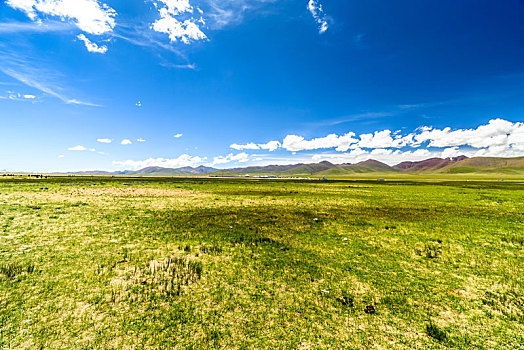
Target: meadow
x: 197, y: 263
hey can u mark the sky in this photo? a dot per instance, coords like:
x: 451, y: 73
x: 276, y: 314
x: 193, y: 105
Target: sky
x: 119, y: 84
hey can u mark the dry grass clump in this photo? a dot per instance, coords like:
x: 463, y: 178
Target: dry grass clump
x: 169, y: 276
x: 11, y: 270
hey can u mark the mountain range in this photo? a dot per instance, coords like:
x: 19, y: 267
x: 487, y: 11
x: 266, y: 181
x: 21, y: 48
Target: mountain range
x: 454, y: 165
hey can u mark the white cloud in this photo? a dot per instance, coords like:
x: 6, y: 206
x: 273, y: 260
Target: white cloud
x: 315, y: 7
x: 497, y: 132
x: 77, y: 148
x: 176, y: 7
x: 497, y: 138
x: 298, y: 143
x: 104, y: 140
x: 383, y: 139
x: 140, y: 140
x: 92, y: 47
x: 89, y: 15
x: 177, y: 136
x: 16, y: 96
x: 270, y: 146
x: 61, y: 156
x: 390, y: 157
x: 126, y: 142
x: 451, y: 152
x: 249, y: 146
x: 240, y: 158
x: 182, y: 161
x: 183, y: 29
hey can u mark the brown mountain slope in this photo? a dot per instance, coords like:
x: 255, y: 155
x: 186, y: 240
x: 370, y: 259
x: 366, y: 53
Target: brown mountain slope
x: 486, y: 165
x: 431, y: 164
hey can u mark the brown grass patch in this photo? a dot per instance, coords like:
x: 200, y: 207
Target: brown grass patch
x: 134, y: 192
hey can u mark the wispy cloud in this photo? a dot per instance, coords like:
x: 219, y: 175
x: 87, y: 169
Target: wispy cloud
x: 315, y: 7
x: 104, y: 140
x: 31, y: 72
x: 177, y: 136
x: 240, y: 158
x: 34, y: 27
x: 32, y: 81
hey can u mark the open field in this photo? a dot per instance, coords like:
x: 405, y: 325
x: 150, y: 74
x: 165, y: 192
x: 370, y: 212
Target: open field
x: 161, y: 263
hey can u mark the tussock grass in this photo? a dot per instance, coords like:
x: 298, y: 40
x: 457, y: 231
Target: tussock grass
x: 11, y: 270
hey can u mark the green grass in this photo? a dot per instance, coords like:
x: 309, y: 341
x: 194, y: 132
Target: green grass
x: 161, y: 263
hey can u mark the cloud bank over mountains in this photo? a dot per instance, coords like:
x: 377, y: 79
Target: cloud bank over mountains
x: 497, y: 138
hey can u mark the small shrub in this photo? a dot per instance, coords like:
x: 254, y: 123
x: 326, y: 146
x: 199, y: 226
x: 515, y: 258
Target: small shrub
x: 435, y: 332
x: 370, y: 309
x: 346, y: 300
x: 433, y: 250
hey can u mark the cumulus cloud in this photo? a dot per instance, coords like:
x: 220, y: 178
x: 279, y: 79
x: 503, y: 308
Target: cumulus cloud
x: 270, y: 146
x: 126, y: 142
x: 177, y: 22
x: 315, y: 7
x: 249, y: 146
x: 92, y: 47
x: 240, y: 158
x: 498, y: 137
x: 387, y: 156
x: 384, y: 139
x: 182, y: 161
x: 104, y: 140
x: 89, y: 15
x: 77, y: 148
x: 498, y: 132
x: 177, y: 136
x: 342, y: 143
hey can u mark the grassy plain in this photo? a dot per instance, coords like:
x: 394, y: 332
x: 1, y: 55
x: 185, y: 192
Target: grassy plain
x: 160, y: 263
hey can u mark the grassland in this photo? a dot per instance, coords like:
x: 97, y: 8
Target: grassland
x: 161, y: 263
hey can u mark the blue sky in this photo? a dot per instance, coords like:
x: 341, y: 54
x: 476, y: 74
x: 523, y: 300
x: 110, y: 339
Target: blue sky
x: 87, y: 84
